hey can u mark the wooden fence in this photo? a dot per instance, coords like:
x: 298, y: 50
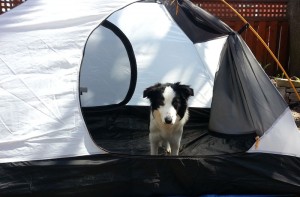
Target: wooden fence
x: 268, y: 18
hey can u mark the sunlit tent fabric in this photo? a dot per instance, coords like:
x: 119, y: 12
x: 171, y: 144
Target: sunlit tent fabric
x: 72, y: 80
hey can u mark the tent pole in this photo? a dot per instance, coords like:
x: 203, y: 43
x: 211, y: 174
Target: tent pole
x: 265, y: 45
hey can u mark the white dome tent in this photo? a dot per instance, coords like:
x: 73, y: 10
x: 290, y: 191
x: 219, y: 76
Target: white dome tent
x: 72, y: 108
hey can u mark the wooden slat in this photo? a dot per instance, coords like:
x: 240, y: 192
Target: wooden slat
x: 260, y: 50
x: 273, y: 46
x: 283, y: 53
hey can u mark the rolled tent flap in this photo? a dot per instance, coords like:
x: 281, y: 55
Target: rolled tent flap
x: 244, y: 99
x: 196, y: 23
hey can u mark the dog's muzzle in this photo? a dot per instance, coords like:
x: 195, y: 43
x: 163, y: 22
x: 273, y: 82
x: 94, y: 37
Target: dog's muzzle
x: 168, y: 120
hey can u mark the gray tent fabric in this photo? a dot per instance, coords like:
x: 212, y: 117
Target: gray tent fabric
x: 198, y: 25
x: 243, y: 93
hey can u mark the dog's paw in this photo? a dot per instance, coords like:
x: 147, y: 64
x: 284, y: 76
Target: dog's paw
x: 168, y: 150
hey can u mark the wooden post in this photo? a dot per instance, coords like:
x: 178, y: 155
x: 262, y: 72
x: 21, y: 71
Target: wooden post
x: 294, y: 20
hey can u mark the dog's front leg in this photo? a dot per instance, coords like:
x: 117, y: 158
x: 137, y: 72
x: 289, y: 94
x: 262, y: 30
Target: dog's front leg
x: 175, y: 143
x: 154, y: 144
x: 175, y: 147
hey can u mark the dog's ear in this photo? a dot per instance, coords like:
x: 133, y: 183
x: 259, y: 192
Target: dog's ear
x: 184, y: 89
x: 148, y: 92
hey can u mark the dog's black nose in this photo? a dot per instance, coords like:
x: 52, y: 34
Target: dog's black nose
x: 168, y: 120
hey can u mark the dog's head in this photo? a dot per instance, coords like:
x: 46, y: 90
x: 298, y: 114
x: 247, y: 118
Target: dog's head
x: 169, y: 100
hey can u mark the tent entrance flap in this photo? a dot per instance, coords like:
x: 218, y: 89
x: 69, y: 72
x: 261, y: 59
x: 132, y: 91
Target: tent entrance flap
x: 244, y: 94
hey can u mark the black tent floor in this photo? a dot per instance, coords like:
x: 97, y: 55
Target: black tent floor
x: 125, y: 130
x: 194, y: 142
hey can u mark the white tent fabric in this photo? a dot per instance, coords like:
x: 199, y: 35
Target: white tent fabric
x: 169, y: 43
x: 41, y: 50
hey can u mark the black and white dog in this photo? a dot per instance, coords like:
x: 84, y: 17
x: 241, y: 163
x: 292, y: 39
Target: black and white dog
x: 169, y: 113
